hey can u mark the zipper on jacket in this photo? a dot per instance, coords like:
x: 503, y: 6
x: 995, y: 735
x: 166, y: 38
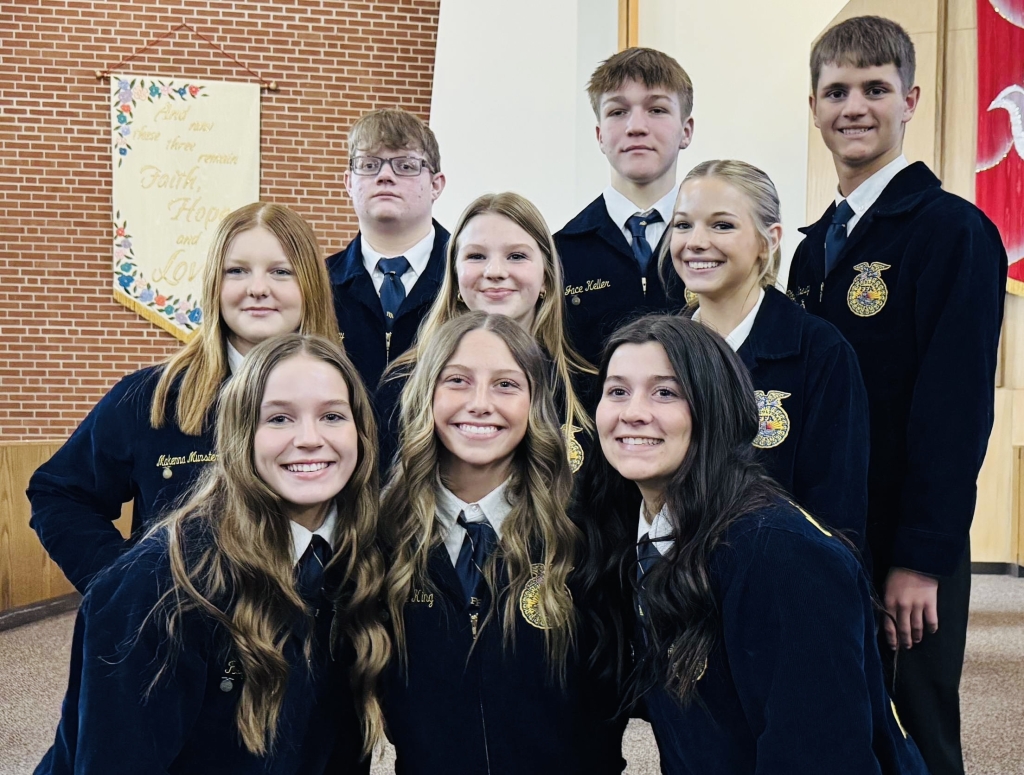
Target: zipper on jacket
x: 387, y: 347
x: 821, y: 293
x: 643, y: 281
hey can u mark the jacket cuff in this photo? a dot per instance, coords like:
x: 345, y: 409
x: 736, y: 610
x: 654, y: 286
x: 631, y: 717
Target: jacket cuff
x: 934, y: 554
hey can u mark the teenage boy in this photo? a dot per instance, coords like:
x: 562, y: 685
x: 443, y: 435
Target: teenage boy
x: 914, y: 279
x: 642, y: 100
x: 387, y: 277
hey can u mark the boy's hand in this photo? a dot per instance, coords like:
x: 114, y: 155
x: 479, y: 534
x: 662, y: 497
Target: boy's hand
x: 911, y: 598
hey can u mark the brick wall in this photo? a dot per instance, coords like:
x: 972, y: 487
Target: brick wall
x: 64, y: 340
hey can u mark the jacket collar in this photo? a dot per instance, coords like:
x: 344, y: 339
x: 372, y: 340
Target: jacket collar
x: 777, y: 331
x: 903, y: 194
x: 594, y: 219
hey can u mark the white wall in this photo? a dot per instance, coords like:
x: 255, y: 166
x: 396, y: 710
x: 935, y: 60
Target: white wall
x: 507, y: 105
x: 510, y: 111
x: 748, y: 61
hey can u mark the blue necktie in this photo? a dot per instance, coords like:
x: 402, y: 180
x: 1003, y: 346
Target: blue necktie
x: 392, y: 291
x: 309, y: 573
x: 476, y: 548
x: 835, y: 237
x: 637, y: 225
x: 647, y: 555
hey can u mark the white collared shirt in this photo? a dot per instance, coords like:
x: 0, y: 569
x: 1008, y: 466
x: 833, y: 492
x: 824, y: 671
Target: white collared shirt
x: 493, y: 508
x: 867, y: 193
x: 418, y: 257
x: 658, y: 528
x: 620, y: 210
x: 235, y: 358
x: 301, y: 536
x: 739, y: 335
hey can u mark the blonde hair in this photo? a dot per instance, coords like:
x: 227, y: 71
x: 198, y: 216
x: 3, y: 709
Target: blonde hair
x: 538, y: 491
x: 765, y: 209
x: 648, y: 66
x: 396, y: 130
x: 548, y: 322
x: 202, y: 363
x: 244, y: 579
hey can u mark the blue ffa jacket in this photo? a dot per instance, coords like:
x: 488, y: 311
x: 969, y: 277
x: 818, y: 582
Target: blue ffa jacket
x: 187, y: 723
x: 361, y: 317
x: 603, y: 286
x: 813, y: 425
x: 794, y: 684
x: 918, y: 292
x: 114, y: 456
x: 488, y: 707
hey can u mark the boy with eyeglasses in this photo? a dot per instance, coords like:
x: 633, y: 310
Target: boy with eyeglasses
x: 914, y: 279
x: 642, y: 99
x: 386, y: 278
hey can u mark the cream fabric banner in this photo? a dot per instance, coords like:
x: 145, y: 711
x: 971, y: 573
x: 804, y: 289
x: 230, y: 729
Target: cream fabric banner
x: 185, y: 154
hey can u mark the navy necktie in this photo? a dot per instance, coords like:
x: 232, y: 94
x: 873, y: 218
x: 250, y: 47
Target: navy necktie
x: 392, y: 290
x: 309, y: 573
x: 476, y: 548
x: 835, y: 237
x: 647, y: 555
x: 637, y: 225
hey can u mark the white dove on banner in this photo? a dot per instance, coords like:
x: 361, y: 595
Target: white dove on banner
x: 1011, y: 99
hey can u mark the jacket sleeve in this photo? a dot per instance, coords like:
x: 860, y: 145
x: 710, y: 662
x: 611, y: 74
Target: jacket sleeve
x: 957, y: 316
x: 794, y: 628
x: 831, y: 466
x: 77, y: 494
x: 122, y: 730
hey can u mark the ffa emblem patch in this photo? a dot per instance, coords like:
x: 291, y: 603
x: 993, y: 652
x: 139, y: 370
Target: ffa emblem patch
x: 868, y: 292
x: 573, y: 447
x: 529, y: 600
x: 690, y: 297
x: 773, y: 422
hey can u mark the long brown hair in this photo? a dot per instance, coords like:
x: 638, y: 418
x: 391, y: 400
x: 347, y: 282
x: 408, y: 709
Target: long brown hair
x: 244, y: 578
x: 549, y: 321
x: 538, y: 492
x: 202, y: 363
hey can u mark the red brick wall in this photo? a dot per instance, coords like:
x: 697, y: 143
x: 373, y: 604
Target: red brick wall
x: 64, y: 340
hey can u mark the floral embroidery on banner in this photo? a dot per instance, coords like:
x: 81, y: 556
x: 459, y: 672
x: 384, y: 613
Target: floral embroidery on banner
x: 131, y: 92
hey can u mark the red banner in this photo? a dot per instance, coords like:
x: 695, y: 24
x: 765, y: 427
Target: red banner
x: 999, y: 178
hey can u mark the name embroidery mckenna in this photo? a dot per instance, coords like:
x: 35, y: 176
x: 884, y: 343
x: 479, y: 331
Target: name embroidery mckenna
x: 165, y: 461
x: 591, y: 285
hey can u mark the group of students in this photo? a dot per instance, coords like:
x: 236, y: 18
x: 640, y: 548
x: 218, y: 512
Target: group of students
x: 551, y: 481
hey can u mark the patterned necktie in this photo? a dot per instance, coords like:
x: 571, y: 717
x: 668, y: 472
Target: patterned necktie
x: 392, y: 290
x: 476, y: 548
x: 647, y: 555
x: 835, y: 238
x: 309, y: 573
x: 637, y: 225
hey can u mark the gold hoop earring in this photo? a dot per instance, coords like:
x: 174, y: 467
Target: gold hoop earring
x: 458, y: 297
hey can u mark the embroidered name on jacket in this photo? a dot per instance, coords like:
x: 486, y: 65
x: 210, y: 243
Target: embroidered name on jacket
x: 773, y: 421
x: 166, y: 461
x: 589, y: 285
x: 868, y: 292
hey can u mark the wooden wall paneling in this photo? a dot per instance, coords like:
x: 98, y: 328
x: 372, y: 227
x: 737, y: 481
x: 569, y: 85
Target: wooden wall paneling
x: 27, y: 575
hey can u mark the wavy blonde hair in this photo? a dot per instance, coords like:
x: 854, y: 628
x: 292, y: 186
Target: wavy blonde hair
x: 244, y: 579
x: 549, y: 321
x: 202, y: 363
x: 538, y: 491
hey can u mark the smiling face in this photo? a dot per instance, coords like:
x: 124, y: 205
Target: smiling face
x: 481, y: 409
x: 390, y: 200
x: 641, y: 132
x: 500, y: 268
x: 716, y: 248
x: 259, y: 296
x: 306, y: 444
x: 643, y: 420
x: 861, y: 112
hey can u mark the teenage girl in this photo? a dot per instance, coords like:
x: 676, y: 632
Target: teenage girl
x: 812, y: 407
x: 240, y: 635
x: 494, y: 671
x: 502, y: 260
x: 151, y: 435
x: 756, y: 648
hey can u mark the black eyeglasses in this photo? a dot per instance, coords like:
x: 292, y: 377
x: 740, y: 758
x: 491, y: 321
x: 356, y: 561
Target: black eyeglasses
x: 403, y: 166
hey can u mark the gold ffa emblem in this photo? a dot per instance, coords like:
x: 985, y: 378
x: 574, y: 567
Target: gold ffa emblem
x: 868, y: 292
x: 572, y: 447
x: 772, y: 422
x: 691, y: 298
x: 529, y: 600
